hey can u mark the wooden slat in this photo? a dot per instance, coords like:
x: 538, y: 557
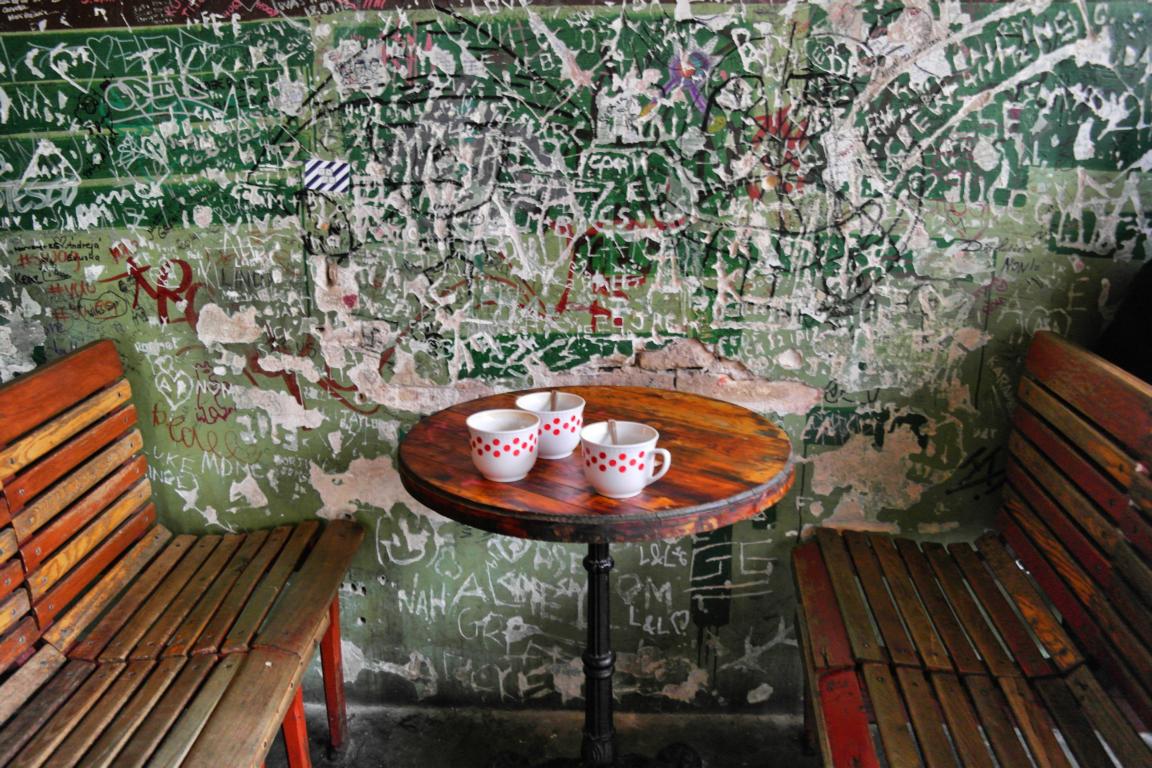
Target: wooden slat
x: 44, y: 700
x: 1032, y: 604
x: 53, y: 433
x: 213, y: 634
x: 8, y: 544
x: 44, y: 509
x: 896, y: 640
x: 100, y: 714
x: 891, y: 716
x: 189, y: 630
x: 927, y: 720
x: 17, y: 642
x: 24, y: 682
x: 1011, y: 628
x: 50, y: 389
x: 37, y: 751
x: 1069, y: 461
x: 13, y: 608
x: 857, y: 619
x: 152, y: 642
x: 1115, y: 460
x: 139, y: 590
x: 269, y: 588
x: 106, y: 749
x: 1034, y: 722
x: 819, y: 611
x: 968, y: 611
x: 1107, y: 719
x: 1074, y: 726
x: 11, y: 576
x: 41, y: 579
x: 1106, y: 394
x: 1140, y: 489
x: 963, y: 723
x: 928, y: 643
x: 180, y: 738
x: 997, y: 721
x: 839, y: 697
x: 70, y: 587
x: 144, y: 741
x: 118, y: 648
x: 68, y: 628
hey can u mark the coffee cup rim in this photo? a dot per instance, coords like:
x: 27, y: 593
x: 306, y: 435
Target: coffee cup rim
x: 518, y: 413
x: 655, y: 434
x: 519, y: 400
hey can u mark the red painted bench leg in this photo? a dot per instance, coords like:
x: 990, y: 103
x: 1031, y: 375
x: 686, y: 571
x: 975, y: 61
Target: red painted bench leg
x: 332, y: 665
x: 296, y: 733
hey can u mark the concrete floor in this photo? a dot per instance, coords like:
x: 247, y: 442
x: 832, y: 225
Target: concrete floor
x: 426, y: 737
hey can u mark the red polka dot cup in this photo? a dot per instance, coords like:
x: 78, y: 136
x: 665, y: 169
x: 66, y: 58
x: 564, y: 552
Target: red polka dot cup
x: 560, y: 423
x: 622, y: 468
x: 503, y: 443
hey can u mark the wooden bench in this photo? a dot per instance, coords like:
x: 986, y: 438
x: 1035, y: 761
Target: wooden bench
x: 121, y: 643
x: 1037, y: 641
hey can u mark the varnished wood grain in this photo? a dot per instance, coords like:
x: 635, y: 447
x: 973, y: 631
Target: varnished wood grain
x: 40, y: 701
x: 191, y: 721
x: 819, y: 615
x: 20, y: 687
x: 728, y: 463
x: 161, y: 718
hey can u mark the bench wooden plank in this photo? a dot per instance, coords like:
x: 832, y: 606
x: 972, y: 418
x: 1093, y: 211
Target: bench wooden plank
x: 995, y: 658
x: 53, y: 433
x: 891, y: 717
x: 174, y: 749
x: 24, y: 682
x: 37, y: 751
x: 857, y: 619
x: 819, y: 612
x: 189, y: 630
x: 997, y: 721
x: 1032, y: 604
x: 962, y: 721
x: 68, y: 628
x: 1034, y: 722
x: 170, y: 583
x: 213, y: 634
x: 13, y: 608
x: 9, y: 546
x: 896, y: 640
x: 11, y: 576
x: 1011, y: 628
x: 17, y: 642
x: 150, y: 733
x: 40, y: 703
x: 106, y: 749
x: 100, y: 714
x: 28, y: 400
x: 927, y: 720
x: 928, y: 643
x: 269, y: 588
x: 841, y: 701
x: 70, y: 587
x: 153, y: 641
x: 41, y: 579
x: 1074, y: 726
x: 1107, y: 719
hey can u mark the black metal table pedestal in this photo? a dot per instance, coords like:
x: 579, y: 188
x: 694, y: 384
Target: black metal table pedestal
x: 598, y: 747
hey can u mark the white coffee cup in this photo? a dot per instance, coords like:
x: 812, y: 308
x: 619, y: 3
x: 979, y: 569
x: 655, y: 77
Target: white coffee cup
x: 503, y: 443
x: 560, y: 422
x: 623, y: 467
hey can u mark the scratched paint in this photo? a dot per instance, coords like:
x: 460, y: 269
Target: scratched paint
x: 848, y: 216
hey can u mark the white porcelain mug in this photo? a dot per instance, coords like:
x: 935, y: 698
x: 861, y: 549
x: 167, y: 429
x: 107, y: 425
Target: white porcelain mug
x: 503, y: 443
x: 560, y: 423
x: 623, y: 467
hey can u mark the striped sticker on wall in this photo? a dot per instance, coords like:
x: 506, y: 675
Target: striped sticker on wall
x: 327, y: 175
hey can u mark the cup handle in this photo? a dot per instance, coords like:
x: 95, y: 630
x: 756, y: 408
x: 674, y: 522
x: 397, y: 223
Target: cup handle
x: 664, y: 466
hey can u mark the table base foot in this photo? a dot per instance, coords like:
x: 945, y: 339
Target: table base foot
x: 673, y: 756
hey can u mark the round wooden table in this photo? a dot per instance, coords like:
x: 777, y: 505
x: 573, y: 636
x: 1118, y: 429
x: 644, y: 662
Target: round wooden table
x: 728, y: 464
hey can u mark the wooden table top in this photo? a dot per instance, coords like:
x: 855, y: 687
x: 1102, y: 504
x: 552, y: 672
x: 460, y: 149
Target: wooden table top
x: 728, y: 464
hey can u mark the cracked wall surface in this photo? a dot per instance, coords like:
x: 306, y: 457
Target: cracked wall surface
x: 306, y: 224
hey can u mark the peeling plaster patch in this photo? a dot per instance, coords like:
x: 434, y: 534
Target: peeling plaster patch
x: 281, y: 408
x: 419, y: 670
x: 933, y: 529
x: 568, y: 679
x: 373, y: 482
x: 279, y: 361
x: 760, y: 694
x: 218, y: 327
x: 248, y: 490
x: 687, y: 690
x: 336, y: 441
x: 790, y: 360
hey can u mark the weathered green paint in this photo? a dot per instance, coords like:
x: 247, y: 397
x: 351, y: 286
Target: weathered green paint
x: 848, y: 216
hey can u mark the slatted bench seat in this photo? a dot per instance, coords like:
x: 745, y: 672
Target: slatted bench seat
x: 121, y: 643
x: 1031, y: 646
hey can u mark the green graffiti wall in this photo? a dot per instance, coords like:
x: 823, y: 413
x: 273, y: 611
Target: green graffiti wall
x: 306, y: 226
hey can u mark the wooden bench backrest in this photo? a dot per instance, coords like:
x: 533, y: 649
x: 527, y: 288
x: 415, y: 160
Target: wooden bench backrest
x: 1080, y: 445
x: 74, y: 494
